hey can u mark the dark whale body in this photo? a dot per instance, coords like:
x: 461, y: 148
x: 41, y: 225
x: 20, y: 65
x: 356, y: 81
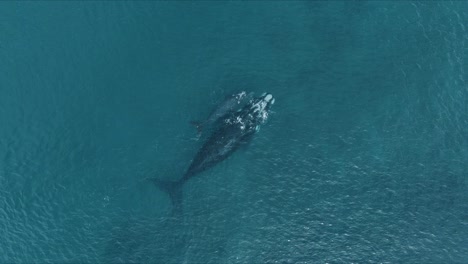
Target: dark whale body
x: 236, y: 129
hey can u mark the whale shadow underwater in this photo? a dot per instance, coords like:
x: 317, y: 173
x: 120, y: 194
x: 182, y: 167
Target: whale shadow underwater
x: 234, y: 129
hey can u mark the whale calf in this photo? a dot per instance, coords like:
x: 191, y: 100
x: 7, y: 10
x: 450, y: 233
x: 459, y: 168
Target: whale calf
x: 237, y: 128
x: 231, y: 103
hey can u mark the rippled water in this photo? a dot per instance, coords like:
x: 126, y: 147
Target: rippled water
x: 364, y: 160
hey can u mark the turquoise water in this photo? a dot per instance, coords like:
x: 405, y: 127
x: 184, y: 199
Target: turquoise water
x: 363, y: 160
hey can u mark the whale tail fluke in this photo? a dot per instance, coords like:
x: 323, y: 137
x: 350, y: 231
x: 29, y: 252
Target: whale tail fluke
x: 174, y: 189
x: 199, y: 126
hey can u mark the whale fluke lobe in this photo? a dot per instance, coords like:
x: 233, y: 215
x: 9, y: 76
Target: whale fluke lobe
x: 174, y: 189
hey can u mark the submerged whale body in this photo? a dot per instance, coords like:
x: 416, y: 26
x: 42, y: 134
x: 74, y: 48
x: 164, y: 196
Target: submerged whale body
x: 237, y: 128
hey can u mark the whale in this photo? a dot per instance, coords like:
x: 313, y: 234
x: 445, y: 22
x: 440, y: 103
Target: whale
x: 236, y: 128
x: 230, y: 103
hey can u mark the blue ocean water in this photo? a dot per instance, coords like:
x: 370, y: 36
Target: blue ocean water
x: 363, y: 160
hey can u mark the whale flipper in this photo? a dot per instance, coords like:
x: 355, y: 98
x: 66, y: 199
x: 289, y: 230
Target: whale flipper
x: 174, y: 189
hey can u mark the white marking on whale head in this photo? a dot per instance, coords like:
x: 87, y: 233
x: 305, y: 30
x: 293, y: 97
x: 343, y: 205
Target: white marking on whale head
x: 240, y: 96
x: 260, y: 107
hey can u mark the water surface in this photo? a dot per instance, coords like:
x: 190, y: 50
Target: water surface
x: 363, y: 160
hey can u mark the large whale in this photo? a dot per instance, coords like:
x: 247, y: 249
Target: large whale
x: 237, y: 128
x: 231, y: 103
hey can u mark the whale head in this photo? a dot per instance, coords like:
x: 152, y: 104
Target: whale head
x: 260, y: 107
x: 251, y: 116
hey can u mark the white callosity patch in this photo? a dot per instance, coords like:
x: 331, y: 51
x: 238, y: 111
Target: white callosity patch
x: 240, y: 122
x: 259, y: 108
x: 240, y: 96
x: 258, y: 113
x: 236, y: 120
x: 264, y: 116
